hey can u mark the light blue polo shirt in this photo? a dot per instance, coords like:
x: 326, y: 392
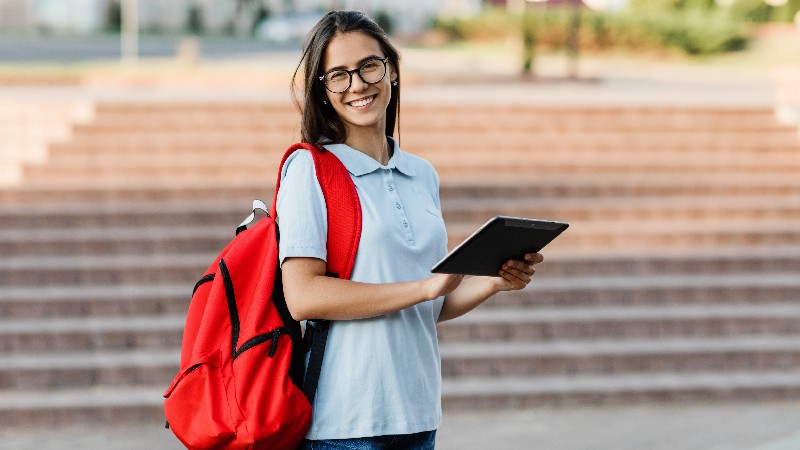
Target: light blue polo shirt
x: 380, y: 376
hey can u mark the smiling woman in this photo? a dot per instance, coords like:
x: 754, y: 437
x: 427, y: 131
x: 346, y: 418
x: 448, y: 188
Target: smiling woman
x: 380, y: 383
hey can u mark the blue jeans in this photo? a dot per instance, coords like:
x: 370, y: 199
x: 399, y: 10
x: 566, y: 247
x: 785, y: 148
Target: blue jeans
x: 417, y: 441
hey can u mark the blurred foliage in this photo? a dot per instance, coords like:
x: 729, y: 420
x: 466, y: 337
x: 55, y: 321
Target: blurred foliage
x: 194, y: 20
x: 385, y: 21
x: 696, y: 27
x: 114, y: 16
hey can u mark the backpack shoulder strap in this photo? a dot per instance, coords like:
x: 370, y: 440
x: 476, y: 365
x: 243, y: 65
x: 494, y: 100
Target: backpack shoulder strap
x: 343, y: 205
x: 344, y: 234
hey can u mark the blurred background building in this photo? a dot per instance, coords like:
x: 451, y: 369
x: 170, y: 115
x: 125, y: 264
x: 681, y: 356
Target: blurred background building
x: 86, y: 16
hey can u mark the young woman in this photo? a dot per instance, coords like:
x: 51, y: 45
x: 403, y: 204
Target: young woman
x: 380, y: 383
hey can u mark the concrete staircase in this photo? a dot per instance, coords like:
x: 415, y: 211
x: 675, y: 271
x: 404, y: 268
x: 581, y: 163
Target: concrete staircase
x: 677, y: 280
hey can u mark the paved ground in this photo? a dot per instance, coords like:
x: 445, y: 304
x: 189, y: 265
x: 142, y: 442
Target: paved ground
x: 727, y: 426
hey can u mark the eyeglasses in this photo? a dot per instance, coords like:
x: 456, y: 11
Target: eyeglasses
x: 339, y: 80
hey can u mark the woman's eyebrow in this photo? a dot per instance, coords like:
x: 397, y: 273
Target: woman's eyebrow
x: 358, y: 64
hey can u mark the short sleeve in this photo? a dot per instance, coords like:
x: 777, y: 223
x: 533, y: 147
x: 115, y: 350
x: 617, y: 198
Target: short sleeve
x: 302, y: 215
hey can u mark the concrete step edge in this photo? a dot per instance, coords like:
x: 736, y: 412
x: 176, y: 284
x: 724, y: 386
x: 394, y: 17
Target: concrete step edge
x: 122, y: 396
x: 93, y: 324
x: 82, y: 360
x: 475, y: 387
x: 616, y: 347
x: 516, y: 316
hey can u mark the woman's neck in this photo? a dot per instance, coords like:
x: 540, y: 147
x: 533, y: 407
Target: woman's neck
x: 373, y: 145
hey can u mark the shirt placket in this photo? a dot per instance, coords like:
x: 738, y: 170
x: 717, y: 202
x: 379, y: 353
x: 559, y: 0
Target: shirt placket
x: 391, y: 187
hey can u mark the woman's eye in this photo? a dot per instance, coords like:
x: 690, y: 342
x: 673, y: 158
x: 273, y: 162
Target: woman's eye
x: 336, y: 76
x: 370, y: 65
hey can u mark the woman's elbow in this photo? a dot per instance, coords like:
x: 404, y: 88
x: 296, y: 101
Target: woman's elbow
x: 299, y: 277
x: 297, y: 309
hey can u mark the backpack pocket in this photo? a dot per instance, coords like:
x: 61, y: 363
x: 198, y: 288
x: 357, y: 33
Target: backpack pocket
x: 196, y: 405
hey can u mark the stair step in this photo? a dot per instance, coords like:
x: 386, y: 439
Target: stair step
x: 504, y: 392
x: 95, y: 301
x: 541, y: 186
x: 726, y: 289
x: 96, y: 406
x: 93, y: 333
x: 185, y: 267
x: 118, y: 240
x: 658, y: 235
x: 545, y: 292
x: 260, y: 169
x: 456, y: 209
x: 509, y: 324
x: 70, y: 370
x: 619, y: 356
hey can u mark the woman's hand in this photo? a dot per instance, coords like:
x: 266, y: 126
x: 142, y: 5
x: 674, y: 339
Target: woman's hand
x: 515, y: 274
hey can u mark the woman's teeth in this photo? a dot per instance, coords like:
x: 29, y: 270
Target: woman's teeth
x: 362, y: 102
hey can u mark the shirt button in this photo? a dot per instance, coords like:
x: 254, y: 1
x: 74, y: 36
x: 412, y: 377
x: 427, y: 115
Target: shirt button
x: 391, y: 188
x: 405, y: 224
x: 387, y: 170
x: 398, y: 205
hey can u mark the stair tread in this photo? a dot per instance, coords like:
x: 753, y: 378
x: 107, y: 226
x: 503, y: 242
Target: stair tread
x: 478, y: 386
x: 94, y: 397
x: 581, y: 348
x: 94, y: 324
x: 94, y: 359
x: 517, y: 316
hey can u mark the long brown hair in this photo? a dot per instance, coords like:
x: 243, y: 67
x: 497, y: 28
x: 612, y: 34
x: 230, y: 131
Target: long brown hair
x: 320, y: 124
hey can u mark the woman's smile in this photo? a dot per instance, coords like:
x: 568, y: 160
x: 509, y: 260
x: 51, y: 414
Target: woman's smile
x: 362, y: 102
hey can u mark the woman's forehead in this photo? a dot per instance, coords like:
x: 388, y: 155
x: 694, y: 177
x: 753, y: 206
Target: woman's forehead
x: 348, y: 49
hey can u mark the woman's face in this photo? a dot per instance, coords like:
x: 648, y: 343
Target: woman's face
x: 362, y: 107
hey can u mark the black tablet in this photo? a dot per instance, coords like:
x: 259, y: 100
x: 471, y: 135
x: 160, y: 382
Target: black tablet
x: 495, y: 242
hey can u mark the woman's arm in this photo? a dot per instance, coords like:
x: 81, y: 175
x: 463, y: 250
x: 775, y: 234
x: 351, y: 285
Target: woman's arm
x: 312, y: 295
x: 473, y: 291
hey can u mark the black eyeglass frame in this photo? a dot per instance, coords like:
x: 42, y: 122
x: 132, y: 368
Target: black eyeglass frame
x: 350, y: 73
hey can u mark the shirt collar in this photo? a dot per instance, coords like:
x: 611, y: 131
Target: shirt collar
x: 358, y: 164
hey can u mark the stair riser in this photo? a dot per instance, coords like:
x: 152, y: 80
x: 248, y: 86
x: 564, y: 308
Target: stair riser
x: 271, y: 142
x: 537, y: 296
x: 154, y: 375
x: 482, y: 212
x: 103, y: 276
x: 456, y: 212
x: 75, y: 415
x: 131, y: 246
x: 456, y: 120
x: 553, y: 330
x: 531, y: 298
x: 259, y: 170
x: 153, y: 412
x: 79, y: 341
x: 456, y: 187
x: 85, y: 377
x: 677, y: 396
x: 205, y: 250
x: 169, y: 337
x: 99, y: 307
x: 618, y: 363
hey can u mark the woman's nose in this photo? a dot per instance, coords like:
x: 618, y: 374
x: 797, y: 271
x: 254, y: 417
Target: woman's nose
x: 357, y: 84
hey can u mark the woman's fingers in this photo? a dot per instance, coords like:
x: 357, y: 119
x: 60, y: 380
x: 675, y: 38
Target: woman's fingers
x: 520, y: 273
x: 534, y: 258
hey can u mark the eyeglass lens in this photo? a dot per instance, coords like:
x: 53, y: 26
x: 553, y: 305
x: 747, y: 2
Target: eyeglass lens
x: 372, y: 71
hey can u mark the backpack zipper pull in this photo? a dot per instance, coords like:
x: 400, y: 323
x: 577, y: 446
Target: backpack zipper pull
x: 273, y: 347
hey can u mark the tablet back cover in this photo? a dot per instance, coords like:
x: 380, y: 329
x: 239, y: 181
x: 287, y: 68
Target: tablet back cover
x: 501, y: 239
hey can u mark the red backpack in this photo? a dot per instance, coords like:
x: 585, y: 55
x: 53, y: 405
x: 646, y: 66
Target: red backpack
x: 240, y: 383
